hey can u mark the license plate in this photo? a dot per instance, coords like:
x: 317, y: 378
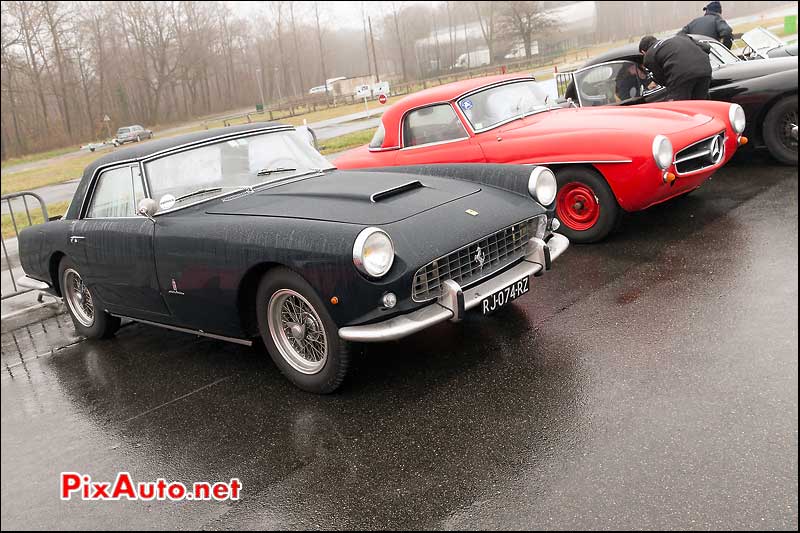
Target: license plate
x: 495, y: 301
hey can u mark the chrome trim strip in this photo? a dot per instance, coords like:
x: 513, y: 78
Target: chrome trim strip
x: 435, y: 143
x: 187, y: 330
x: 597, y: 161
x: 30, y: 283
x: 692, y: 156
x: 441, y: 310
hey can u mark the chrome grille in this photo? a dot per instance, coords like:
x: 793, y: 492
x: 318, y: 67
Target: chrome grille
x: 701, y: 155
x: 476, y: 260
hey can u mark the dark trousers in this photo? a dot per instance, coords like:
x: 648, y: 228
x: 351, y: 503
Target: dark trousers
x: 694, y: 89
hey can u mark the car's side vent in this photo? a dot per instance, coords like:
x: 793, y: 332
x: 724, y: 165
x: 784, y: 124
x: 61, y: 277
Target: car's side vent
x: 382, y: 195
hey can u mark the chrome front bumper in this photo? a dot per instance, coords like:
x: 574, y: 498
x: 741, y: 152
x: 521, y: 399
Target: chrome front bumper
x: 455, y: 302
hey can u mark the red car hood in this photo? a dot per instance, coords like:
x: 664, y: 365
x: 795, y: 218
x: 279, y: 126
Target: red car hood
x: 640, y: 118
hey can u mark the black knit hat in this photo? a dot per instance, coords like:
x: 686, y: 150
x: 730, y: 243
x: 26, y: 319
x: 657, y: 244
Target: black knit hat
x: 646, y: 42
x: 713, y: 7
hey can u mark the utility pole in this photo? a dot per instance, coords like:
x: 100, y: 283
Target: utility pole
x: 366, y: 42
x: 374, y: 57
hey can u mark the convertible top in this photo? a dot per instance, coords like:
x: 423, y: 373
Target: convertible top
x: 143, y: 150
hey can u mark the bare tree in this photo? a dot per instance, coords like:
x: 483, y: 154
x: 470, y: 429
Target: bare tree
x: 396, y: 12
x: 321, y: 48
x: 523, y: 20
x: 486, y: 18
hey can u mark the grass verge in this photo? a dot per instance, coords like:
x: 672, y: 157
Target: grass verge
x: 345, y: 142
x: 21, y: 218
x: 58, y: 172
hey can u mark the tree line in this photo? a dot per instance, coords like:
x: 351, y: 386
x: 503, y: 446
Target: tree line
x: 67, y: 65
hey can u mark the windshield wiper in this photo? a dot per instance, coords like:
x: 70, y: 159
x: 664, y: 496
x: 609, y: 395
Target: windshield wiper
x: 268, y: 171
x: 198, y: 191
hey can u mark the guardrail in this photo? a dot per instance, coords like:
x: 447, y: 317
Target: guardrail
x: 9, y: 264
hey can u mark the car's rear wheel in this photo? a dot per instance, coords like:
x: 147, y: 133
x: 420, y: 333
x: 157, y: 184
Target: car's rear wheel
x: 778, y: 135
x: 299, y: 333
x: 138, y: 138
x: 585, y: 205
x: 87, y: 314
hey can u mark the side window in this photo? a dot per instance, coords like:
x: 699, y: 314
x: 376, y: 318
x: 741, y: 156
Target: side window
x: 116, y: 194
x: 432, y: 124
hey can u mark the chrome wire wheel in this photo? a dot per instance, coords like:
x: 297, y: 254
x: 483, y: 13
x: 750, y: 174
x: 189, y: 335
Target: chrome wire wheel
x: 78, y: 298
x: 297, y: 331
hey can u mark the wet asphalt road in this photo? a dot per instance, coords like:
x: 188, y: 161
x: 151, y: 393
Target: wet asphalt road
x: 646, y: 382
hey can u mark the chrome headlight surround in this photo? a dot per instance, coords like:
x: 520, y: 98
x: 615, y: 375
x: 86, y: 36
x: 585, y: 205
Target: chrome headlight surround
x: 662, y: 152
x: 737, y: 118
x: 373, y: 252
x: 542, y: 185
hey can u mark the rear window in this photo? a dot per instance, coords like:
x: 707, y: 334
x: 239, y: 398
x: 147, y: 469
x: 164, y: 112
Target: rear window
x: 123, y: 130
x: 377, y: 139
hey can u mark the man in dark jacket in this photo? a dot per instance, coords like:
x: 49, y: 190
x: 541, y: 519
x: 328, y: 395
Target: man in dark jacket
x: 711, y: 24
x: 680, y: 64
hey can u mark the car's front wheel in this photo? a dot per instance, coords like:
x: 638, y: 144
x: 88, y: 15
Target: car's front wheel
x: 299, y: 333
x: 138, y: 138
x: 87, y: 314
x: 585, y: 205
x: 779, y: 136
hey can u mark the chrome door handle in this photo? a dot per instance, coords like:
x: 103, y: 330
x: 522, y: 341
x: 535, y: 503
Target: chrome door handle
x: 74, y: 239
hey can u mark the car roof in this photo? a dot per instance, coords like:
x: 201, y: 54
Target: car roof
x: 629, y: 51
x: 441, y: 93
x: 141, y: 151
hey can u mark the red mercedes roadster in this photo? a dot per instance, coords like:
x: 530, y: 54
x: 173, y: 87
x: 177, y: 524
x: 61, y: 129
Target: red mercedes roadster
x: 607, y: 160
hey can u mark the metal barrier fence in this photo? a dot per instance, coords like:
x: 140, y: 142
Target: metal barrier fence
x: 9, y: 264
x: 563, y: 80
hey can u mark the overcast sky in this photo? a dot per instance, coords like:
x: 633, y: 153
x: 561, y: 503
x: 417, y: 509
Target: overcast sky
x: 333, y: 14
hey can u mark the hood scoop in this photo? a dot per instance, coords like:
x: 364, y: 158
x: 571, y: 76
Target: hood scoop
x: 394, y: 191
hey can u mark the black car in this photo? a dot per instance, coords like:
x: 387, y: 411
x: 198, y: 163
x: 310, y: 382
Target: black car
x: 765, y: 88
x: 250, y: 232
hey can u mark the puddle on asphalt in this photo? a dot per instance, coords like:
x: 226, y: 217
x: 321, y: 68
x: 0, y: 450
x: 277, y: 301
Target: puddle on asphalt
x: 39, y: 339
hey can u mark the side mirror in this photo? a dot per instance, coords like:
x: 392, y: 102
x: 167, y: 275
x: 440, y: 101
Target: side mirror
x: 147, y: 208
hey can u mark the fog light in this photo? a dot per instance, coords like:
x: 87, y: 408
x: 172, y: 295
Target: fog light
x: 389, y: 300
x: 555, y: 224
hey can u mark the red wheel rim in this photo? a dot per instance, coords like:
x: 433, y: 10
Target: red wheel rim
x: 577, y: 206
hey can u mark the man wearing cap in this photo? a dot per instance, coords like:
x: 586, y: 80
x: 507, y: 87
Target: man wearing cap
x: 680, y: 64
x: 711, y: 24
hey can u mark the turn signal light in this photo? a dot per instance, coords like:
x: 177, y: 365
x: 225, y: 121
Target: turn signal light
x: 742, y: 140
x: 335, y: 300
x: 669, y: 177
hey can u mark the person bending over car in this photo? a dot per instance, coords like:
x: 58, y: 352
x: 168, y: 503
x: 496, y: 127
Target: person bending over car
x: 680, y: 64
x: 711, y: 24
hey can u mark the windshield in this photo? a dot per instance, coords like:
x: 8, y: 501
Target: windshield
x: 761, y: 40
x: 720, y: 55
x: 493, y: 106
x: 611, y: 83
x: 226, y: 166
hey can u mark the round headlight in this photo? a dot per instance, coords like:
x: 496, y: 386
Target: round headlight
x: 662, y: 152
x: 542, y: 185
x: 737, y: 118
x: 373, y: 252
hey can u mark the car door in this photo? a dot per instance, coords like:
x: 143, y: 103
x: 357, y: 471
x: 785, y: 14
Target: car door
x: 117, y: 244
x: 435, y: 134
